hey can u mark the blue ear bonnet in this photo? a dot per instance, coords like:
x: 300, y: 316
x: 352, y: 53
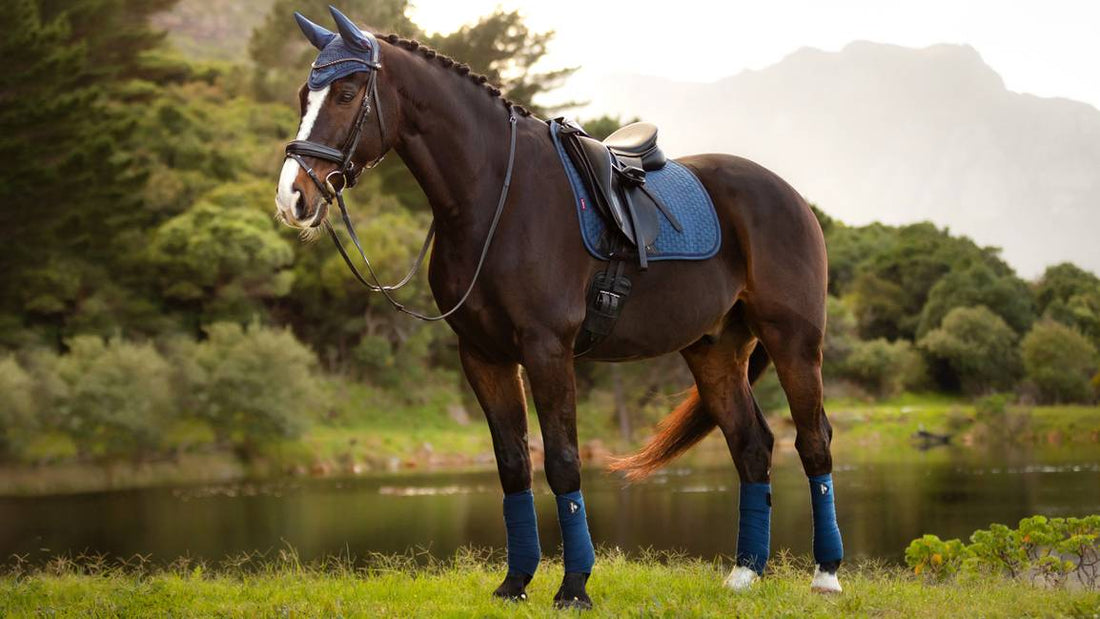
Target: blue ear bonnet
x: 338, y: 60
x: 351, y: 51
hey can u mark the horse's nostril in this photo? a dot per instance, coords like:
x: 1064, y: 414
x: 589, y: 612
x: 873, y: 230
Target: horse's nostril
x: 300, y: 206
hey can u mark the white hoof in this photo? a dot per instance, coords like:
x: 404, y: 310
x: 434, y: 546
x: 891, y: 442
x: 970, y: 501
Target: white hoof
x: 824, y: 582
x: 741, y: 578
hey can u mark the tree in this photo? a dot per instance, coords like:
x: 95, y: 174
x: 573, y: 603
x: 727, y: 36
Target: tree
x: 1059, y: 361
x: 894, y: 269
x: 1005, y: 295
x: 220, y: 261
x: 76, y: 88
x: 1062, y: 282
x: 977, y: 347
x: 1071, y: 296
x: 603, y: 126
x: 501, y: 47
x: 281, y: 55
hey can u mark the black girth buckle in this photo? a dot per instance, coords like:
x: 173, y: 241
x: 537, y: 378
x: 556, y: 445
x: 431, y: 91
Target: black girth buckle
x: 607, y: 295
x: 607, y: 302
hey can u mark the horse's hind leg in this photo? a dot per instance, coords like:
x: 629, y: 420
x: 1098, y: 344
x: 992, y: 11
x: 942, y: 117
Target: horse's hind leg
x: 724, y: 371
x: 499, y: 390
x: 794, y: 345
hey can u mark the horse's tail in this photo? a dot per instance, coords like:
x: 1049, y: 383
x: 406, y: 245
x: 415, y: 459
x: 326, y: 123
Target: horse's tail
x: 687, y: 425
x: 684, y: 427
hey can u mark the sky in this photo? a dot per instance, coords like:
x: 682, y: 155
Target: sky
x: 1049, y: 48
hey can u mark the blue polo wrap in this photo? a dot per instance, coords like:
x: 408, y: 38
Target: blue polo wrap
x: 755, y: 526
x: 828, y: 547
x: 579, y: 555
x: 523, y: 533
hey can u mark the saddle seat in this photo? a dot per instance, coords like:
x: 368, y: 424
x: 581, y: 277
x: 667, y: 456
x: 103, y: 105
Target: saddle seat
x: 638, y: 141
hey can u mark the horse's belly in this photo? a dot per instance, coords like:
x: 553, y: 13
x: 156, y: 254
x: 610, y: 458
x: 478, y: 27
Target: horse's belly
x: 671, y: 306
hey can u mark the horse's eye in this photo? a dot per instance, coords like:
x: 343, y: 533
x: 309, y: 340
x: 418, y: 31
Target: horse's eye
x: 346, y: 97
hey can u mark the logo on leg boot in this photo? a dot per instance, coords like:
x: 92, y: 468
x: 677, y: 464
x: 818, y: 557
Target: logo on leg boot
x: 573, y: 507
x: 824, y: 489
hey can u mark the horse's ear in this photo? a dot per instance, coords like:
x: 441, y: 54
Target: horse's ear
x: 317, y: 35
x: 351, y: 33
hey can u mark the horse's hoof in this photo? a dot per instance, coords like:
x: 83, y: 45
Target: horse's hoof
x: 571, y: 595
x: 741, y: 578
x: 825, y: 582
x: 513, y: 589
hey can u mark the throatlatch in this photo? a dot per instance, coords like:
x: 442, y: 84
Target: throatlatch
x: 522, y: 525
x: 828, y: 547
x: 754, y: 526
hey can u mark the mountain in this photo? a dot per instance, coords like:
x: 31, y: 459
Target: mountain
x: 888, y: 133
x: 213, y: 29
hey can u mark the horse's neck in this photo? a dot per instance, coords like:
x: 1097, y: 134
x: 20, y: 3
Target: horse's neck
x: 454, y: 138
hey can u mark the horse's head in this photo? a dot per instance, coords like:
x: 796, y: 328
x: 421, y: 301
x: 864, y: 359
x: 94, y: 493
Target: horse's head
x: 342, y: 131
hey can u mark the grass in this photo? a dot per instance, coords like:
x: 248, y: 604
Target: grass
x: 654, y: 586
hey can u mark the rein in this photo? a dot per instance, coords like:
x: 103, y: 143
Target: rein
x: 348, y: 176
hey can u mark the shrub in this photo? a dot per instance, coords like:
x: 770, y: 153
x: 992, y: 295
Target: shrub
x: 392, y: 365
x: 992, y: 406
x: 17, y: 404
x: 978, y: 347
x: 253, y: 385
x: 1049, y: 551
x: 885, y: 368
x: 1059, y: 361
x: 112, y: 397
x: 934, y: 558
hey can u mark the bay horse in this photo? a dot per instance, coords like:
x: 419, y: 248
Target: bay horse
x: 520, y: 301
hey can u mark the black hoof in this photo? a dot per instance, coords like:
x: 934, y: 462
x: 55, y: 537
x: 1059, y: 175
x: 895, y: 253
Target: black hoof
x: 514, y: 588
x: 571, y: 595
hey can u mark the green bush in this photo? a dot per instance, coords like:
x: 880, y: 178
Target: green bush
x: 112, y: 397
x: 1048, y: 551
x: 1059, y: 361
x: 885, y: 368
x: 253, y: 385
x: 992, y: 406
x: 17, y: 404
x: 934, y: 558
x: 978, y: 347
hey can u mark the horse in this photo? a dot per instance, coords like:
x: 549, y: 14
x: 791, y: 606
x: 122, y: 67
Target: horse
x: 520, y: 300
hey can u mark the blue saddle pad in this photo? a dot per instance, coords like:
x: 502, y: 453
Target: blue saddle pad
x: 681, y: 192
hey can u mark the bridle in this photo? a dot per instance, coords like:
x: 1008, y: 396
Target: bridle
x: 348, y: 173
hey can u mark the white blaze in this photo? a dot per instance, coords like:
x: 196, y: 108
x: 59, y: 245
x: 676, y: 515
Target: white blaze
x: 286, y: 197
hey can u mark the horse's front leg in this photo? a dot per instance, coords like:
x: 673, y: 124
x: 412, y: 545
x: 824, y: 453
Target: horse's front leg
x: 549, y: 363
x: 499, y: 390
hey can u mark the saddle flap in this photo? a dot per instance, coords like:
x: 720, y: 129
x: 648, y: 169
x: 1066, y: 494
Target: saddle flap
x: 596, y: 161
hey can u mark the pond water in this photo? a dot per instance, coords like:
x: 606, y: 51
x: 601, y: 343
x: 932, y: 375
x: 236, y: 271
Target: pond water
x: 882, y: 505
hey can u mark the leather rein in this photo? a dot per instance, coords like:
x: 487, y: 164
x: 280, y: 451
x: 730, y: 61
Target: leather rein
x: 347, y: 175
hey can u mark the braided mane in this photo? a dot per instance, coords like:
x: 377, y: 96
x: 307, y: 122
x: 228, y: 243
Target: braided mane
x: 455, y: 66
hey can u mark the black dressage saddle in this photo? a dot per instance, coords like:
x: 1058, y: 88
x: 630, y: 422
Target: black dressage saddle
x: 614, y: 171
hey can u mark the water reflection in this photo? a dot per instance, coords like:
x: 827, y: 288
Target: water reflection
x: 881, y: 506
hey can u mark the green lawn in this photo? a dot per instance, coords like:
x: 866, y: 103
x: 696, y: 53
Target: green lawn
x: 661, y: 587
